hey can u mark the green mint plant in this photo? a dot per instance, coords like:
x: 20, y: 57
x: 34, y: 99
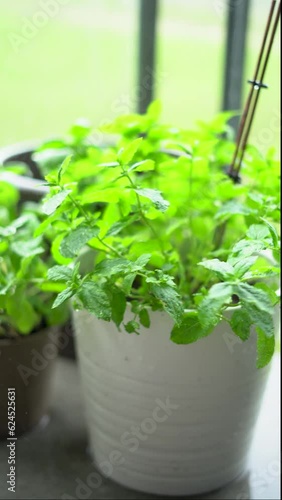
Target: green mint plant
x: 167, y: 229
x: 25, y: 302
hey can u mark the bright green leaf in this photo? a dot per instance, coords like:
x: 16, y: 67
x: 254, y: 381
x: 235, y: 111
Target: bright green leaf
x: 63, y: 297
x: 51, y: 204
x: 171, y: 301
x: 107, y: 195
x: 64, y: 167
x: 118, y: 305
x: 273, y: 232
x: 77, y: 239
x: 274, y: 298
x: 154, y: 110
x: 220, y: 268
x: 141, y: 262
x: 60, y: 273
x: 110, y: 267
x: 27, y: 248
x: 251, y: 296
x: 258, y: 232
x: 144, y: 318
x: 243, y: 265
x: 112, y: 164
x: 241, y: 324
x: 265, y: 348
x: 143, y: 166
x: 210, y: 308
x: 246, y: 248
x: 128, y: 282
x: 95, y: 300
x: 122, y: 224
x: 189, y: 331
x: 155, y: 196
x: 232, y: 208
x: 126, y: 154
x: 9, y: 195
x: 21, y: 312
x: 80, y: 130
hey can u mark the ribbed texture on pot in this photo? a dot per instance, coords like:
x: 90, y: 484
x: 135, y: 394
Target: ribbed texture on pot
x: 181, y: 417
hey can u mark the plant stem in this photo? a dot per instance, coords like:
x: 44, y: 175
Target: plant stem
x: 219, y: 235
x: 108, y: 246
x: 142, y: 215
x: 89, y: 221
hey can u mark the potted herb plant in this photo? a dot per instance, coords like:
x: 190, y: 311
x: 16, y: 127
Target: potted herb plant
x: 172, y: 269
x: 28, y: 337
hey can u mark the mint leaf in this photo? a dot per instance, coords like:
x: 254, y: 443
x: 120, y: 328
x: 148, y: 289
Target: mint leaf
x: 273, y: 232
x: 171, y: 301
x: 126, y: 154
x: 22, y: 314
x: 211, y: 306
x: 60, y: 273
x: 155, y: 196
x: 111, y: 267
x: 222, y: 269
x: 232, y: 208
x: 25, y: 267
x: 118, y: 305
x: 261, y: 319
x: 143, y: 166
x: 141, y: 262
x: 112, y: 164
x: 144, y: 318
x: 258, y: 232
x: 241, y: 324
x: 189, y: 331
x: 265, y: 348
x: 128, y: 282
x: 106, y: 195
x: 251, y: 296
x: 274, y: 298
x: 262, y: 272
x: 54, y: 202
x: 27, y: 248
x: 63, y: 297
x: 64, y: 167
x: 95, y: 300
x: 48, y: 221
x: 80, y: 130
x: 154, y: 110
x: 243, y: 265
x: 122, y: 224
x: 258, y: 306
x: 77, y: 239
x: 246, y: 248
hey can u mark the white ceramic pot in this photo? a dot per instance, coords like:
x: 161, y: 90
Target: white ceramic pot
x: 163, y: 418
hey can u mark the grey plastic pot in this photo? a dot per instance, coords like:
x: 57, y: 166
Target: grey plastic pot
x: 30, y: 188
x: 27, y: 368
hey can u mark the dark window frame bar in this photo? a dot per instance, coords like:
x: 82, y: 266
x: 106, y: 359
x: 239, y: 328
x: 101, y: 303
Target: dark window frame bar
x: 238, y: 12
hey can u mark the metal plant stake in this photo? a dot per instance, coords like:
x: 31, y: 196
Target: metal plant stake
x: 257, y: 83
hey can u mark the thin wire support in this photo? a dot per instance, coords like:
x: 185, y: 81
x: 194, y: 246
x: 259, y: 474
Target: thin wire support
x: 257, y: 83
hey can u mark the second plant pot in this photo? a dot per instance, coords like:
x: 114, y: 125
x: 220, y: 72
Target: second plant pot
x: 27, y: 369
x: 168, y: 419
